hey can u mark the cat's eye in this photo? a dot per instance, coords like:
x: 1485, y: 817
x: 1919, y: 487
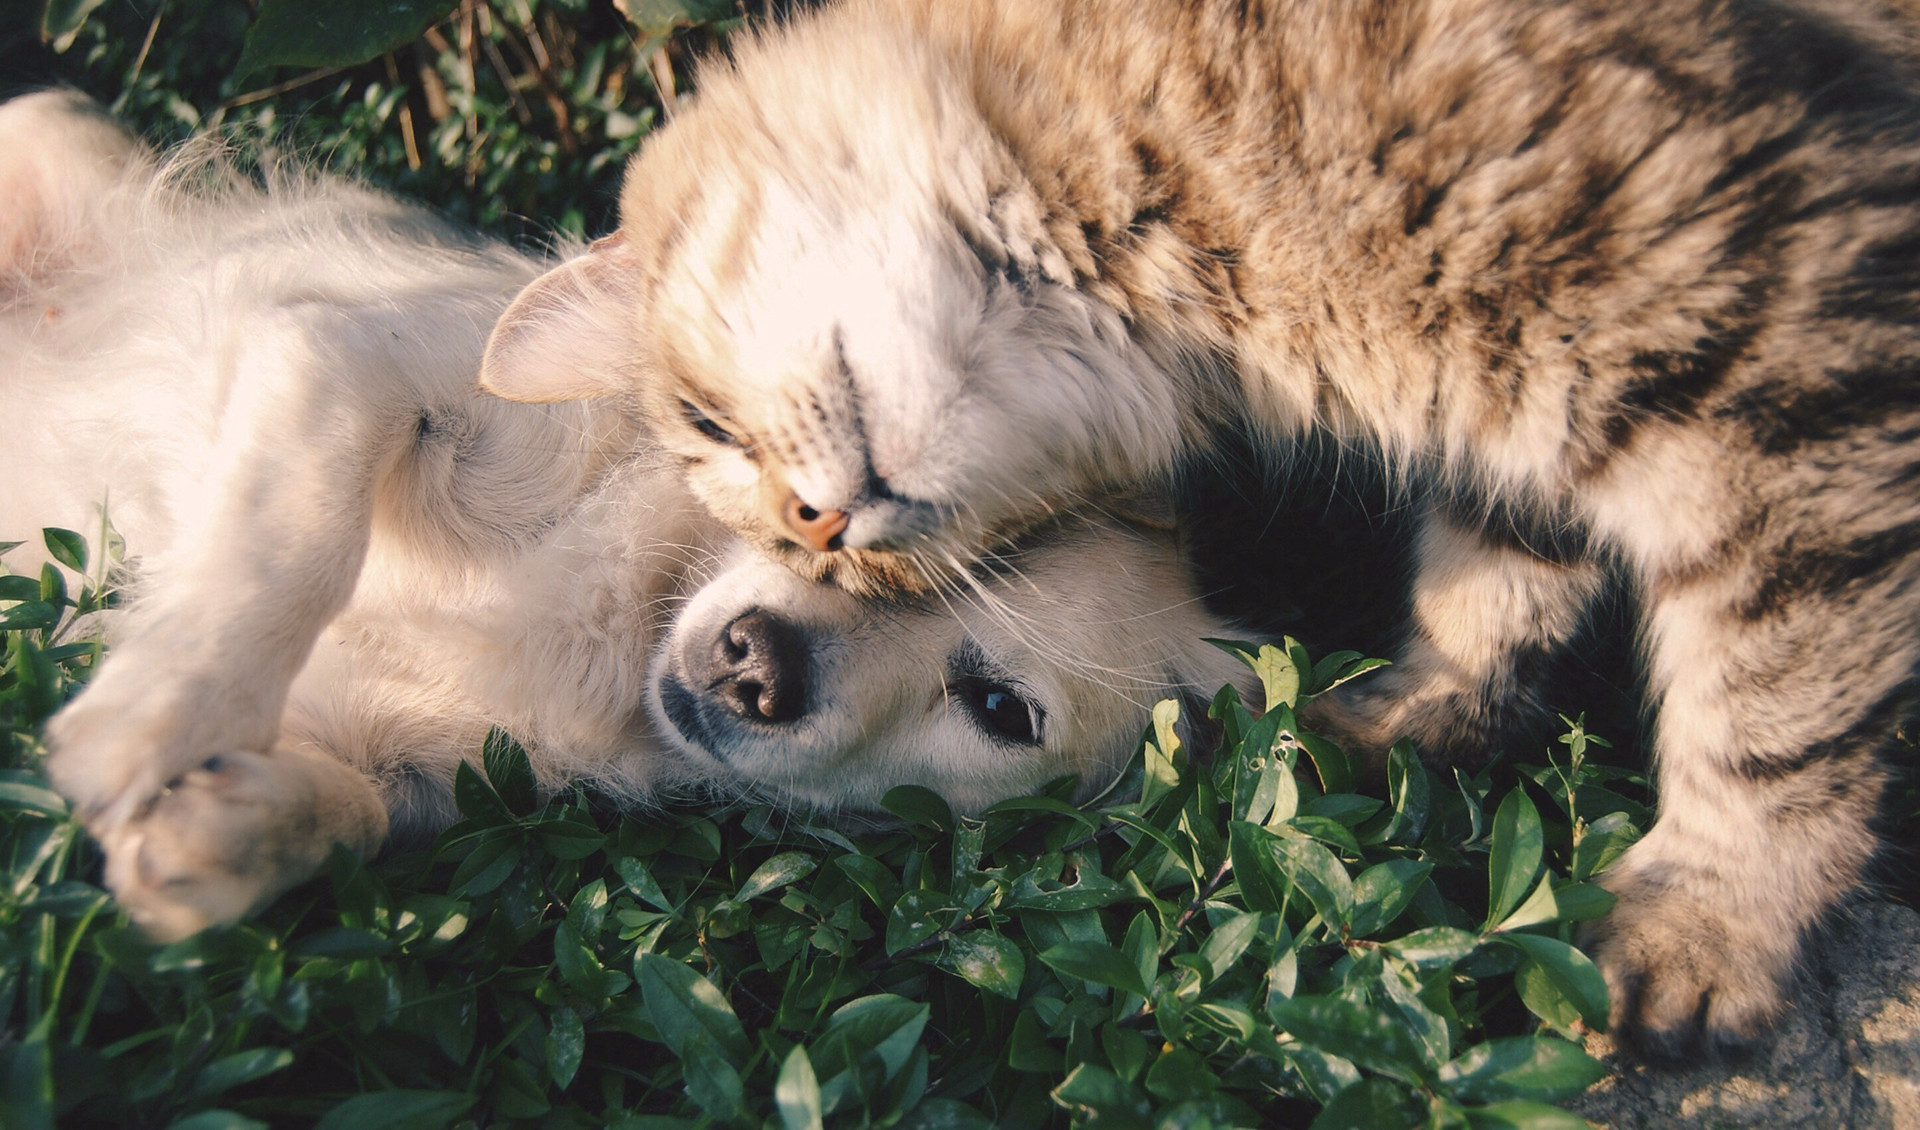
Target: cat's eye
x: 999, y: 709
x: 705, y: 425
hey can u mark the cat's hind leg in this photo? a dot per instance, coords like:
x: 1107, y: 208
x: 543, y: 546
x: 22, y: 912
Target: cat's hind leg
x: 1489, y: 610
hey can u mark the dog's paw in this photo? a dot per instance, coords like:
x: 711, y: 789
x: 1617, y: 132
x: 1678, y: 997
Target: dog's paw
x: 226, y: 837
x: 1688, y: 979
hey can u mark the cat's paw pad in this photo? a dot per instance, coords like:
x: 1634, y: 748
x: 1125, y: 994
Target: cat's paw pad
x: 1685, y: 980
x: 215, y: 843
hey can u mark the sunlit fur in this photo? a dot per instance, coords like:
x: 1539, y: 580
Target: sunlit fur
x: 348, y: 566
x: 1615, y: 287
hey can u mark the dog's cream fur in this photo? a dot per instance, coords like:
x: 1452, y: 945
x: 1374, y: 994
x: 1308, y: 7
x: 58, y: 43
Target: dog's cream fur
x: 350, y: 565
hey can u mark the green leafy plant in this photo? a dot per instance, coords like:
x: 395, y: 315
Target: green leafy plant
x: 1259, y: 938
x: 513, y: 115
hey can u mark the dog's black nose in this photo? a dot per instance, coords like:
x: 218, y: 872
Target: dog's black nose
x: 760, y: 668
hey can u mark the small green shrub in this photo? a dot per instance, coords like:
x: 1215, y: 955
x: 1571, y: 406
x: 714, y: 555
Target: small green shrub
x: 516, y: 116
x: 1254, y: 940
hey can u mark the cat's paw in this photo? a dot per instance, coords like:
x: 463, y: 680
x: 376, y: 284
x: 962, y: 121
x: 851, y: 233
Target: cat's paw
x: 226, y: 837
x: 1687, y: 978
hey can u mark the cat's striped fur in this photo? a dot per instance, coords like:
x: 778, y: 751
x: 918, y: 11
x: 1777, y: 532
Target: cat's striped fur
x: 1620, y: 287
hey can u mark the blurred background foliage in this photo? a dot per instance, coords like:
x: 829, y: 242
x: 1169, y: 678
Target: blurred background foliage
x: 513, y: 115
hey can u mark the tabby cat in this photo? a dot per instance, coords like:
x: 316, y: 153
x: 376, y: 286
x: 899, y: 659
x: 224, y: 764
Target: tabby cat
x: 1616, y: 288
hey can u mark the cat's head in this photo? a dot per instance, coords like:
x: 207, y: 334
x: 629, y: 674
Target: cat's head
x: 839, y: 305
x: 1045, y: 662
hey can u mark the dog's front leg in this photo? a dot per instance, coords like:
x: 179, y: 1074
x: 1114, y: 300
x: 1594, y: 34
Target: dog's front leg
x: 270, y: 543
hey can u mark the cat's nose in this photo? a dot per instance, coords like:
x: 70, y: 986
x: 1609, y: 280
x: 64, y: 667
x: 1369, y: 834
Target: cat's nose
x: 820, y: 529
x: 760, y: 668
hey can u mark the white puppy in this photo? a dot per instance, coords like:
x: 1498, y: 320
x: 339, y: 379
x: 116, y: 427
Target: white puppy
x: 350, y: 565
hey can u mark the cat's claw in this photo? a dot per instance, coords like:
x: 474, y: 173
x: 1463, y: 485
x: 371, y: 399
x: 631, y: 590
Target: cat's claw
x: 1686, y: 980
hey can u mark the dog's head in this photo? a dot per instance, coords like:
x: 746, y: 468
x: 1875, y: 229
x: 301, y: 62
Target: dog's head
x: 1045, y: 662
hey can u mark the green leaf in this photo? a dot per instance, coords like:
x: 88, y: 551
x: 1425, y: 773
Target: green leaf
x: 872, y: 877
x: 1335, y: 771
x: 343, y: 943
x: 1142, y: 947
x: 782, y: 869
x: 476, y: 798
x: 1279, y: 674
x: 1434, y: 946
x: 1582, y: 902
x: 231, y: 1071
x: 917, y: 916
x: 488, y: 865
x: 1088, y: 891
x: 67, y: 547
x: 1361, y: 1035
x: 713, y: 1080
x: 1515, y: 857
x: 885, y: 1024
x: 640, y: 881
x: 29, y: 616
x: 216, y: 1120
x: 944, y: 1114
x: 987, y: 960
x: 333, y: 33
x: 1314, y: 870
x: 1043, y: 804
x: 661, y: 17
x: 1162, y: 770
x: 1370, y: 1104
x: 1103, y: 1095
x: 1521, y: 1067
x: 1028, y: 1049
x: 60, y: 22
x: 1411, y: 790
x: 1540, y: 906
x: 398, y: 1110
x: 1342, y: 667
x: 23, y: 791
x: 1097, y: 962
x: 797, y: 1093
x: 1181, y: 1075
x: 28, y: 1087
x: 1383, y: 892
x: 1263, y: 885
x: 566, y: 1045
x: 1605, y: 840
x: 1559, y: 983
x: 918, y: 805
x: 683, y: 1005
x: 1523, y: 1116
x: 510, y: 772
x: 15, y: 587
x: 1228, y: 941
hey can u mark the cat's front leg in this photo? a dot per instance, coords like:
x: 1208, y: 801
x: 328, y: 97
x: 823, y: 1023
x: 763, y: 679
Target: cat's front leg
x: 269, y: 546
x: 1776, y: 707
x: 1488, y: 613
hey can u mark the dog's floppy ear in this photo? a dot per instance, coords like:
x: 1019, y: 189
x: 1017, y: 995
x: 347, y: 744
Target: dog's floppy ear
x: 565, y: 337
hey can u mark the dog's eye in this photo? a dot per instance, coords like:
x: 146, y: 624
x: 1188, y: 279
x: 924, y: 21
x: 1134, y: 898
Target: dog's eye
x: 999, y: 710
x: 704, y: 424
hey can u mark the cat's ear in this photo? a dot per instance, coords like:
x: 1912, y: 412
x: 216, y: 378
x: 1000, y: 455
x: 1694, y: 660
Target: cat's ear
x: 566, y: 336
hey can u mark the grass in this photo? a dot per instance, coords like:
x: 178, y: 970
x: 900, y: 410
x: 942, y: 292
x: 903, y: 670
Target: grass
x: 1251, y: 940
